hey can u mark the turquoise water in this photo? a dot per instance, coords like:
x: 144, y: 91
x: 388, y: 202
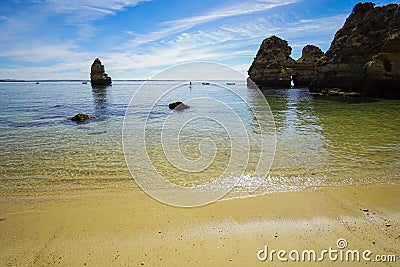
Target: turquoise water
x: 320, y: 141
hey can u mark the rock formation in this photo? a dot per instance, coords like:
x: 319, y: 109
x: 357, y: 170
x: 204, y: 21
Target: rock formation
x: 304, y: 71
x: 273, y: 66
x: 364, y: 56
x: 178, y: 106
x: 80, y: 117
x: 98, y: 76
x: 270, y: 66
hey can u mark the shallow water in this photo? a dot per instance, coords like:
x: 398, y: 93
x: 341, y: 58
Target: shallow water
x: 320, y: 141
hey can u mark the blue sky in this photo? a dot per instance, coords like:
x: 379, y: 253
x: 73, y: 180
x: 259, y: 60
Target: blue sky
x: 58, y: 39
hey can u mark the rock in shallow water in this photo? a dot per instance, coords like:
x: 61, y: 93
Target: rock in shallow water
x: 98, y: 75
x: 178, y: 106
x: 80, y: 117
x: 336, y: 92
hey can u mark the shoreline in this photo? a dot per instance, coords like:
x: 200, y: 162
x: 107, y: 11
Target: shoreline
x: 130, y: 228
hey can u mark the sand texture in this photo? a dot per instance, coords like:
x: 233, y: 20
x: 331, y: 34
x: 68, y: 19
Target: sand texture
x: 132, y: 229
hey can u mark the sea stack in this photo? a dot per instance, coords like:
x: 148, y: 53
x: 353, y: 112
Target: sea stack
x: 98, y: 75
x: 270, y: 66
x: 273, y: 66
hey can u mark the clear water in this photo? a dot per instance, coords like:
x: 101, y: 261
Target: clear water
x: 320, y: 141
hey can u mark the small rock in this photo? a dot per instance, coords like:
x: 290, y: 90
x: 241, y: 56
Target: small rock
x: 142, y: 263
x: 178, y: 106
x: 388, y: 224
x: 365, y: 210
x: 81, y: 117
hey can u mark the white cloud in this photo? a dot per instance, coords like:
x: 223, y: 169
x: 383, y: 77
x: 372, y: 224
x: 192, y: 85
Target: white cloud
x: 172, y: 27
x: 233, y: 41
x: 38, y: 53
x: 82, y: 13
x: 89, y: 9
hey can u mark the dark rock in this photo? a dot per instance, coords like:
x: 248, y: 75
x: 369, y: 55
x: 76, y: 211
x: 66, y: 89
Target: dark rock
x: 363, y: 59
x: 273, y: 66
x: 305, y: 69
x: 98, y: 76
x: 178, y: 106
x: 81, y: 117
x: 270, y: 66
x: 364, y: 56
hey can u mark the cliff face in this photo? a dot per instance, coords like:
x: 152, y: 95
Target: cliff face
x: 304, y: 71
x: 269, y: 68
x: 364, y: 57
x: 273, y: 66
x: 98, y: 75
x: 365, y: 54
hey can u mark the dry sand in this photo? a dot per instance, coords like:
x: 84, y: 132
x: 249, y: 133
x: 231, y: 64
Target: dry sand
x: 131, y: 229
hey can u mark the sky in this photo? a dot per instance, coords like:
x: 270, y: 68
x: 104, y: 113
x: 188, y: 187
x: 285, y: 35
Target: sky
x: 135, y: 39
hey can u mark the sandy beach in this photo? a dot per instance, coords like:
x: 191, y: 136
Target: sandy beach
x: 132, y: 229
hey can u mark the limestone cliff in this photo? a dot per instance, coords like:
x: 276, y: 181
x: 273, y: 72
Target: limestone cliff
x: 273, y: 66
x: 304, y: 71
x: 364, y: 56
x: 269, y: 68
x: 98, y: 75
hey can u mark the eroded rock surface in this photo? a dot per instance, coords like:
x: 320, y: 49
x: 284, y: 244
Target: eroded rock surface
x: 270, y: 66
x: 98, y: 75
x: 364, y: 56
x: 305, y: 69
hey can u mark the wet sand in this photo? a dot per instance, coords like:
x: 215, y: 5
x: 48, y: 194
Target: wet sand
x: 132, y: 229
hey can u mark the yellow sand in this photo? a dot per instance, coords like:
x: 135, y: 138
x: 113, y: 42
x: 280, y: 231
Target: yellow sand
x: 131, y: 229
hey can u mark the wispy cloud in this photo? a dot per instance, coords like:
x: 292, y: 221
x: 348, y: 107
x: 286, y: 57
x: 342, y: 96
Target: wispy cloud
x: 82, y: 13
x: 232, y: 41
x: 41, y: 52
x: 172, y: 27
x: 26, y: 37
x: 221, y: 44
x: 89, y: 9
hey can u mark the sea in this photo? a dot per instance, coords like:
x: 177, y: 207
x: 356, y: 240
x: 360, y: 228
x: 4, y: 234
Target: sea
x: 311, y: 141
